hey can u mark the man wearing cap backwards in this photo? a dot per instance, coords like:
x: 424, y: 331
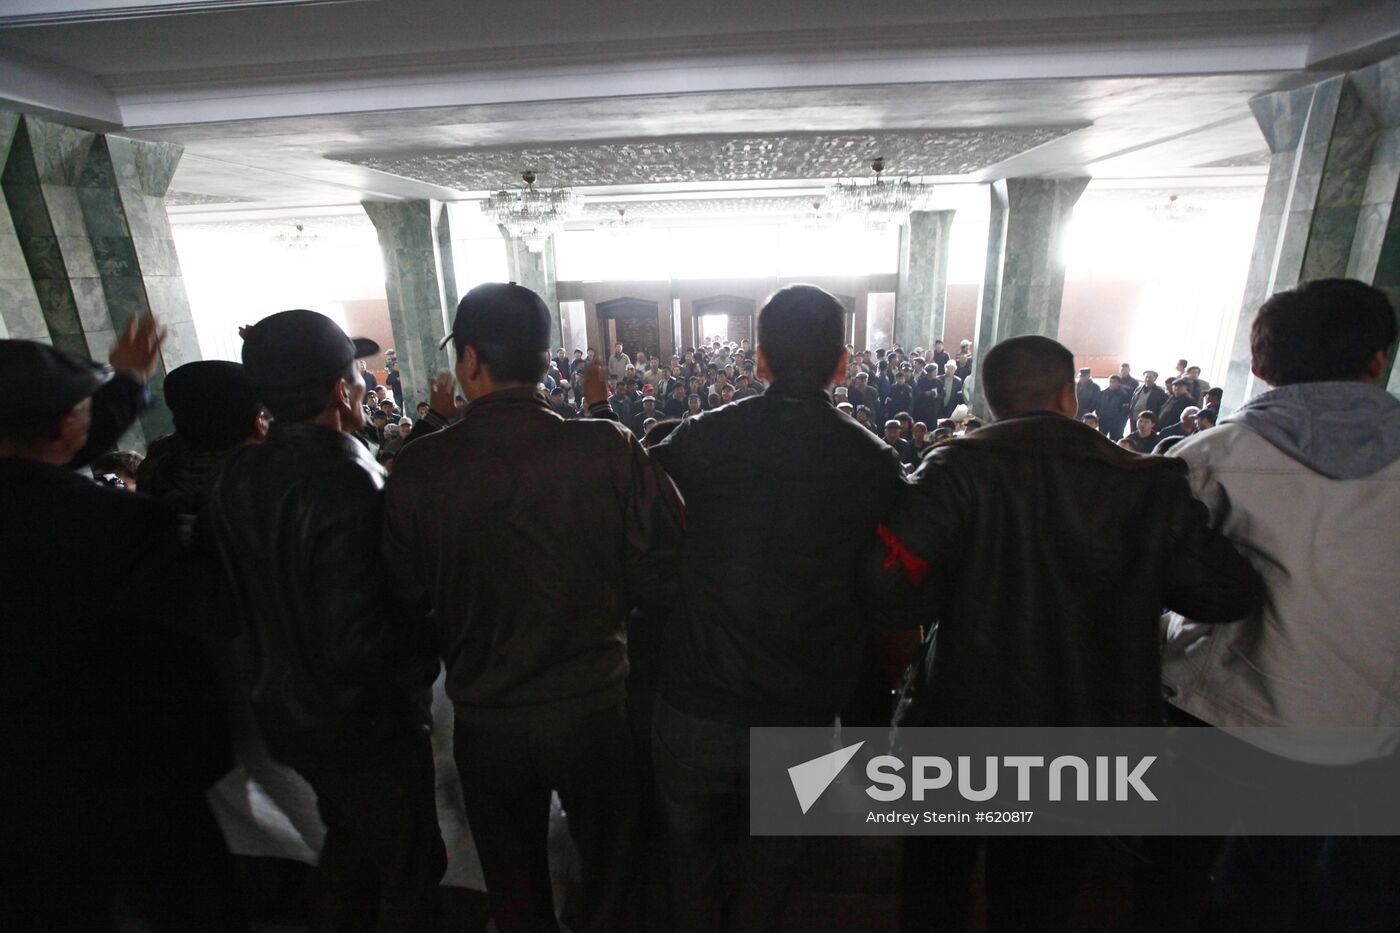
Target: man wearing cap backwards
x: 531, y: 626
x: 101, y: 784
x: 770, y: 632
x: 339, y: 671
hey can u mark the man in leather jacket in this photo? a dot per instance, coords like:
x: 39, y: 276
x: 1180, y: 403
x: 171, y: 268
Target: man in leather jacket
x: 487, y: 532
x: 771, y: 632
x: 990, y: 541
x: 339, y: 672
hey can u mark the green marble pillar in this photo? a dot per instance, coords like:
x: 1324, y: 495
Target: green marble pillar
x: 89, y: 216
x: 416, y: 241
x: 122, y: 192
x: 40, y: 181
x: 1329, y: 201
x: 21, y: 317
x: 535, y: 270
x: 989, y: 295
x: 1024, y: 280
x: 1375, y: 249
x: 921, y: 296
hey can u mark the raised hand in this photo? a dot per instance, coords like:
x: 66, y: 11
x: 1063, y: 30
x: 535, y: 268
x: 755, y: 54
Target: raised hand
x: 137, y: 350
x: 442, y: 396
x: 595, y: 384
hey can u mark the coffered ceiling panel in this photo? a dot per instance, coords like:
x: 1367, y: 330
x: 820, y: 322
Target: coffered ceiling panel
x: 937, y: 152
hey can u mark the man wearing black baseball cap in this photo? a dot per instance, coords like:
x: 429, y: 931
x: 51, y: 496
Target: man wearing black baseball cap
x: 93, y: 749
x: 484, y: 529
x: 340, y: 671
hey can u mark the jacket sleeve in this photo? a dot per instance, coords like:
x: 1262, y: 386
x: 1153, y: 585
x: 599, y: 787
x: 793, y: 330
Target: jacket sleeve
x: 655, y: 528
x: 900, y: 566
x: 364, y: 632
x: 114, y: 409
x: 1206, y: 579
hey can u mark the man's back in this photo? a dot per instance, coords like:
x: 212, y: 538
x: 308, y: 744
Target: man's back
x: 1050, y: 553
x: 1320, y: 526
x: 296, y: 521
x: 780, y: 491
x: 526, y: 559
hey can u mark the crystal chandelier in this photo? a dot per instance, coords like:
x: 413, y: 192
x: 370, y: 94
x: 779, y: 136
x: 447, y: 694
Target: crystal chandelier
x: 816, y: 218
x: 879, y: 202
x: 531, y: 214
x: 622, y: 223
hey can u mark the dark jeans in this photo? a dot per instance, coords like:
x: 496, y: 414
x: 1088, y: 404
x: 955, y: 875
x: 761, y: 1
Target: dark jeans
x: 702, y: 770
x: 1032, y: 881
x: 508, y: 772
x: 383, y: 856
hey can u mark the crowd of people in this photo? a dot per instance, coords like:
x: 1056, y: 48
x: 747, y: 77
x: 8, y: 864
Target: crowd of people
x: 621, y: 564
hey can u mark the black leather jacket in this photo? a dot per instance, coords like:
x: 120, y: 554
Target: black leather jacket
x: 1039, y: 555
x: 781, y: 490
x: 338, y: 669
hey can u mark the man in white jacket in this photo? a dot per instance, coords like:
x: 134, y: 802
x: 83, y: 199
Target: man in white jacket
x: 1305, y: 481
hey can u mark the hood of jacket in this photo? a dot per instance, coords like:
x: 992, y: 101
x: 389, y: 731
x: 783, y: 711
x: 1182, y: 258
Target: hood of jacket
x: 1343, y: 430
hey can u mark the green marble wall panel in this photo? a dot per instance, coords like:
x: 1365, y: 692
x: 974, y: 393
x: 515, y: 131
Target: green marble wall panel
x: 535, y: 270
x: 921, y: 296
x: 21, y: 317
x: 415, y: 241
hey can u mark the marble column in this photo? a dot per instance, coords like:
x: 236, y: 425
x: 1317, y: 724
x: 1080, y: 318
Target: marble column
x: 535, y: 270
x: 40, y: 181
x: 1329, y: 197
x: 989, y: 294
x: 1024, y: 279
x: 416, y: 242
x: 122, y: 193
x: 21, y: 317
x: 921, y: 296
x: 1375, y: 250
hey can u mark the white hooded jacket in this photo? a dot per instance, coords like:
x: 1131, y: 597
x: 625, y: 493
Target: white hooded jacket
x: 1305, y: 481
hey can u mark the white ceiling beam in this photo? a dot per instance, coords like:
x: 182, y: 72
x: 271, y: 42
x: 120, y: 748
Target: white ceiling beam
x: 48, y: 89
x: 1354, y: 35
x: 16, y: 13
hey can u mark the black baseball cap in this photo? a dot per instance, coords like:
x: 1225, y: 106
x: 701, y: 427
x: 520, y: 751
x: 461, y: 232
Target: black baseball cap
x: 297, y: 348
x: 213, y: 403
x: 40, y: 382
x: 504, y: 314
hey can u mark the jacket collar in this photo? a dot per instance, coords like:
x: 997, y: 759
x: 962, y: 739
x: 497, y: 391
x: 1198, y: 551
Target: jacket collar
x: 799, y: 395
x: 319, y: 437
x: 519, y: 397
x: 1053, y: 434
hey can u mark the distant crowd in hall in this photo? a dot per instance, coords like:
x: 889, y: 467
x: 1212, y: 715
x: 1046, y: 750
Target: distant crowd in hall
x: 911, y: 399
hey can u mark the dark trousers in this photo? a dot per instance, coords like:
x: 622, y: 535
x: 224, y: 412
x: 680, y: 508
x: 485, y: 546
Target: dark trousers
x: 383, y: 857
x: 1031, y: 882
x: 1279, y: 883
x: 702, y: 770
x: 508, y: 773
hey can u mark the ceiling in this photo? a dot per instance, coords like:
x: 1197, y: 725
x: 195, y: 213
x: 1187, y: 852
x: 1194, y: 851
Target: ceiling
x: 288, y: 107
